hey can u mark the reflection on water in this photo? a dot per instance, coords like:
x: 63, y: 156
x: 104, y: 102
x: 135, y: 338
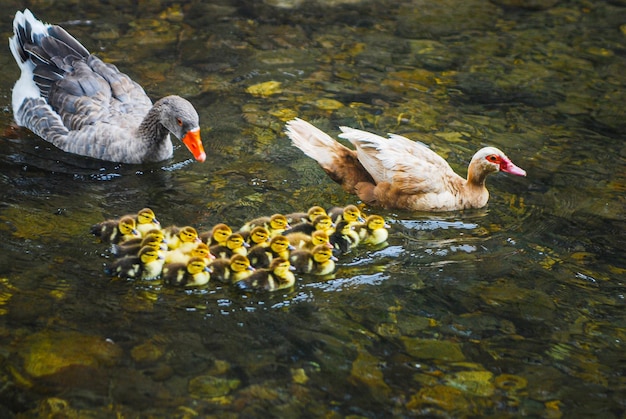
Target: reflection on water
x: 516, y: 309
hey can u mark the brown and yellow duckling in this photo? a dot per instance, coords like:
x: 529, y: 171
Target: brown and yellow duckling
x: 373, y: 231
x: 262, y: 256
x: 146, y: 220
x: 116, y: 231
x: 183, y: 238
x: 350, y: 213
x: 216, y: 235
x: 305, y: 217
x: 318, y: 261
x: 194, y: 273
x: 231, y: 270
x: 147, y: 264
x: 132, y: 246
x: 278, y: 276
x: 321, y: 222
x: 257, y: 236
x: 345, y: 238
x: 235, y: 244
x: 201, y: 250
x: 276, y: 224
x: 301, y: 240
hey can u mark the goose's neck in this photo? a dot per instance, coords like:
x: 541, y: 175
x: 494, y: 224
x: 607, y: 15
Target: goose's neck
x: 155, y: 136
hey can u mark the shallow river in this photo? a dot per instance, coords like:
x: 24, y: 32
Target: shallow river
x: 516, y: 309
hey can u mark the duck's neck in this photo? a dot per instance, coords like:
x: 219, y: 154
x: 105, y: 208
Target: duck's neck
x: 476, y: 194
x: 154, y: 135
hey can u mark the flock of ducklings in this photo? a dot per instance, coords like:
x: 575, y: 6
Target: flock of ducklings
x: 263, y: 254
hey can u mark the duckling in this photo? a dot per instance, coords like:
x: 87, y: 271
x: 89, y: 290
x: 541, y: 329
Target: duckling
x: 349, y: 213
x: 319, y: 261
x: 200, y: 251
x: 217, y: 235
x: 235, y: 244
x: 185, y: 238
x: 261, y: 256
x: 257, y: 236
x: 194, y: 273
x: 132, y: 246
x: 344, y: 238
x: 146, y: 220
x: 305, y: 217
x: 116, y: 231
x: 147, y: 264
x: 278, y: 276
x: 301, y: 240
x: 231, y: 270
x: 321, y: 222
x: 373, y: 231
x: 276, y: 224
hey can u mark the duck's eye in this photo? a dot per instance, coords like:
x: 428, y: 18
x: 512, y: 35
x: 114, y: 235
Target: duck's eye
x: 492, y: 158
x: 179, y: 122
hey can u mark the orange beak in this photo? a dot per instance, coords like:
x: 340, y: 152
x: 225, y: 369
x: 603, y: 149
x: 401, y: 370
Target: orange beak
x: 194, y: 143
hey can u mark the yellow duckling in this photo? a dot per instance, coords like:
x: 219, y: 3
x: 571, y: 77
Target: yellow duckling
x: 261, y: 256
x: 350, y: 213
x: 132, y: 246
x: 147, y: 264
x: 373, y: 231
x: 194, y: 273
x: 116, y: 231
x: 258, y: 236
x: 201, y: 250
x: 235, y: 244
x: 321, y: 222
x: 231, y: 270
x: 319, y: 261
x: 216, y: 235
x: 276, y: 224
x: 184, y: 239
x: 278, y: 276
x: 146, y: 220
x: 301, y: 240
x: 305, y: 217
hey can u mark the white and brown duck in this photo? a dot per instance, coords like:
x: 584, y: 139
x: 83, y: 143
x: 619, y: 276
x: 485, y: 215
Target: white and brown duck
x: 398, y: 173
x: 78, y: 103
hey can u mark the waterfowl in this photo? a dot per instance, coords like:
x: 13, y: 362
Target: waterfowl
x: 344, y: 238
x: 262, y: 256
x: 147, y: 264
x: 373, y: 231
x: 231, y: 270
x: 258, y: 236
x: 276, y: 224
x: 305, y: 217
x: 398, y: 173
x: 300, y: 240
x: 78, y: 103
x: 184, y: 239
x: 201, y: 250
x: 278, y: 276
x: 194, y: 273
x: 318, y: 261
x: 116, y: 231
x: 235, y: 244
x: 146, y: 221
x: 349, y: 213
x: 320, y: 223
x: 216, y: 235
x: 132, y: 246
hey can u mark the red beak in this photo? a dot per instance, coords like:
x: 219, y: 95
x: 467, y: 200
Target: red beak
x: 194, y: 143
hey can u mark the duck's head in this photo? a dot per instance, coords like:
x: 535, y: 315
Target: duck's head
x: 157, y: 234
x: 221, y: 232
x: 154, y: 241
x: 188, y: 234
x: 197, y: 265
x: 259, y: 235
x: 323, y: 223
x: 149, y: 254
x: 201, y: 251
x: 375, y: 222
x: 127, y: 226
x: 315, y: 211
x: 147, y: 216
x: 322, y: 254
x: 279, y: 222
x: 281, y: 266
x: 280, y: 244
x: 240, y: 263
x: 352, y: 214
x: 235, y: 241
x: 319, y: 237
x: 181, y: 119
x: 490, y: 160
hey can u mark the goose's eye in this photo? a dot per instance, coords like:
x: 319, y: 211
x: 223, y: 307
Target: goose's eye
x: 179, y: 122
